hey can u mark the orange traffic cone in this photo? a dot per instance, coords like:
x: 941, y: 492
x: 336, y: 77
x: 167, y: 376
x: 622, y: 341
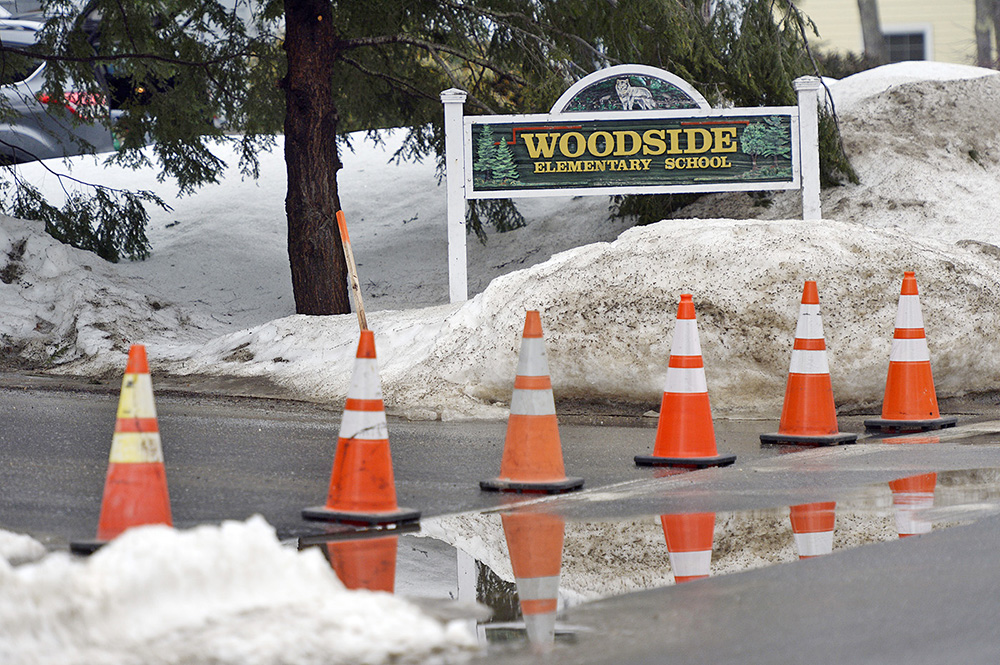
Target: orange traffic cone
x: 689, y: 544
x: 812, y: 526
x: 365, y: 563
x: 809, y: 417
x: 910, y: 402
x: 135, y: 491
x: 362, y: 488
x: 910, y: 496
x: 532, y: 454
x: 685, y: 436
x: 535, y: 543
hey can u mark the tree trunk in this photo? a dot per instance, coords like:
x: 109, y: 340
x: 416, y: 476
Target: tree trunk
x: 315, y: 252
x: 871, y: 32
x: 996, y: 31
x: 984, y: 17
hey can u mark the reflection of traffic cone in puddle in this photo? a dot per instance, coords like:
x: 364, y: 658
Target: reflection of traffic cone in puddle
x: 532, y: 453
x: 365, y: 563
x: 809, y: 417
x: 910, y: 402
x: 535, y: 542
x: 689, y: 542
x: 685, y: 436
x: 910, y: 496
x: 362, y: 487
x: 135, y: 491
x: 812, y: 525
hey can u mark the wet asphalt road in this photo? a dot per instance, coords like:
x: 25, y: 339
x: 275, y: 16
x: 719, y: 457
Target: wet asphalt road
x: 230, y: 458
x: 929, y: 599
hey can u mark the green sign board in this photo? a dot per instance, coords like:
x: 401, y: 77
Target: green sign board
x: 631, y: 153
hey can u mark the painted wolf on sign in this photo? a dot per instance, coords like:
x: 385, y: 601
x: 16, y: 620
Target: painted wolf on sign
x: 631, y: 95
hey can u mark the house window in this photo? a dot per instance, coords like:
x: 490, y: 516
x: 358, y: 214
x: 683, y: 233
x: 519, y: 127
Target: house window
x: 908, y: 43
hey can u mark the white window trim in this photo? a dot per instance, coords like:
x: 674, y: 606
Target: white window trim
x: 926, y: 29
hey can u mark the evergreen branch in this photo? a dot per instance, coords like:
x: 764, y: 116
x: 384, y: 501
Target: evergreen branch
x: 409, y: 86
x: 505, y: 18
x: 801, y: 24
x: 385, y: 40
x: 127, y: 27
x: 389, y: 78
x: 127, y: 56
x: 455, y: 82
x: 61, y: 177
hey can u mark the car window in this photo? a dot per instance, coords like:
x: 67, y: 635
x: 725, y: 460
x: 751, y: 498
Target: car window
x: 15, y: 67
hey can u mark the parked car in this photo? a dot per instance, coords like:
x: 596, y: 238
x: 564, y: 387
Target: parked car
x: 36, y: 126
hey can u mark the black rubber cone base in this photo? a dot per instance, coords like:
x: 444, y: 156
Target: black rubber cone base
x: 86, y: 547
x: 334, y: 532
x: 543, y: 487
x: 803, y: 440
x: 903, y: 426
x: 685, y: 462
x: 324, y: 514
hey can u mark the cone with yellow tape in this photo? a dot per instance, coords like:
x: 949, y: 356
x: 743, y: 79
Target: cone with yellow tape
x: 135, y: 490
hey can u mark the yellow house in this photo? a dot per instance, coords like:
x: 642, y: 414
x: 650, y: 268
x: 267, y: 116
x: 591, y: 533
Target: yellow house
x: 942, y: 30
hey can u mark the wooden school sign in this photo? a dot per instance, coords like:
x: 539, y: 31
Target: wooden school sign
x: 629, y: 129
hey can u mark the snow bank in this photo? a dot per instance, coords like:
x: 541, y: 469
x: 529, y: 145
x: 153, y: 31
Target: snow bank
x: 850, y: 90
x: 228, y: 594
x: 59, y: 304
x: 613, y: 342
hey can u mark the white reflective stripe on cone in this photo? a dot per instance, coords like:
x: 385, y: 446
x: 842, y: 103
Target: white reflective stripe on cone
x: 532, y: 361
x: 364, y: 425
x: 689, y: 564
x: 533, y: 402
x: 538, y: 588
x: 685, y: 341
x: 686, y: 380
x: 908, y: 313
x: 908, y: 506
x: 365, y: 383
x: 541, y: 628
x: 810, y: 325
x: 814, y: 544
x: 909, y: 350
x: 808, y: 362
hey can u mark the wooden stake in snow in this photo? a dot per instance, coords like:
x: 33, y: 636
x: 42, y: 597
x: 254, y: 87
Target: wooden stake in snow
x: 352, y: 269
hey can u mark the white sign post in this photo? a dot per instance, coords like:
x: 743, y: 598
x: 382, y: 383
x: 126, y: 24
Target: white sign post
x: 458, y: 286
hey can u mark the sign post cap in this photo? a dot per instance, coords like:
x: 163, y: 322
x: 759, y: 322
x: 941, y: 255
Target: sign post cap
x: 806, y: 83
x: 453, y: 95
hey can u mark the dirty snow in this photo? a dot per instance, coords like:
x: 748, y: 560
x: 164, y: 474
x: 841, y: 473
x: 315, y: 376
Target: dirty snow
x: 160, y: 595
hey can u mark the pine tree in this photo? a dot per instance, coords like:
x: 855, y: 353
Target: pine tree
x: 486, y: 152
x: 505, y: 169
x: 753, y: 142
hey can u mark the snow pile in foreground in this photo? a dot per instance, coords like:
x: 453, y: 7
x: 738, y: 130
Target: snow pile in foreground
x: 165, y: 596
x: 18, y: 548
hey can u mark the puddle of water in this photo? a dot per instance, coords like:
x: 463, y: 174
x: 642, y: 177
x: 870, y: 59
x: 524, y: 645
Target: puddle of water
x: 526, y: 567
